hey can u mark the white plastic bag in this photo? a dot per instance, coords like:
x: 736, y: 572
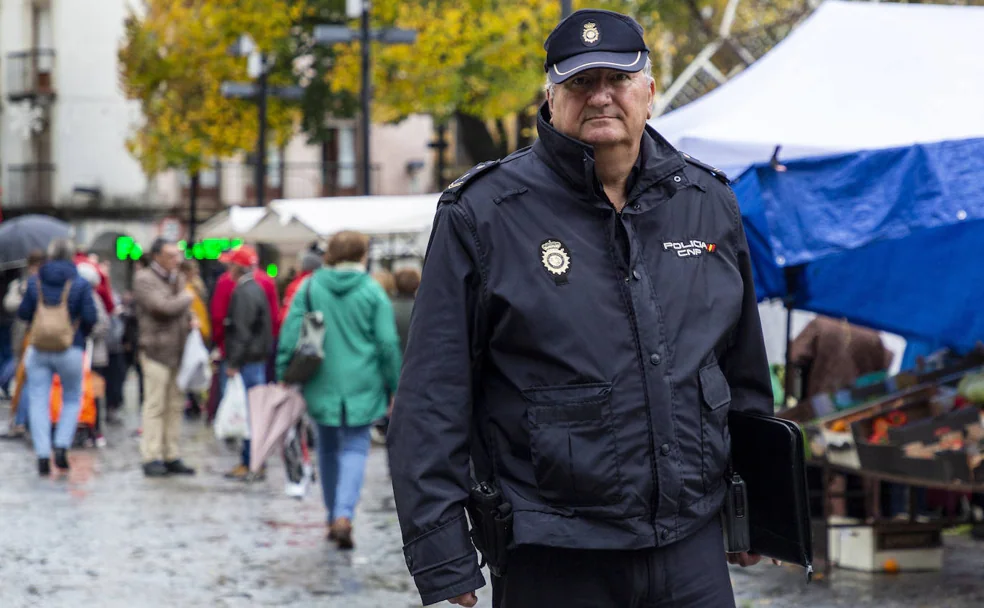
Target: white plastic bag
x: 232, y: 419
x: 195, y: 373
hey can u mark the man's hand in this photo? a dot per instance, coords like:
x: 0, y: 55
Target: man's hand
x: 466, y: 599
x: 747, y: 559
x: 231, y: 371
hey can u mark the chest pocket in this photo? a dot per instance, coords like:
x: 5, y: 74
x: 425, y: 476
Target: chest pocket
x: 572, y: 443
x: 715, y: 440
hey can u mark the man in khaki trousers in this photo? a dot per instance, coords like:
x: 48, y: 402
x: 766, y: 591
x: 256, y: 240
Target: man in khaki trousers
x: 164, y: 317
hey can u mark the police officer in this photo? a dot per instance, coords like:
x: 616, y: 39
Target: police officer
x: 585, y: 321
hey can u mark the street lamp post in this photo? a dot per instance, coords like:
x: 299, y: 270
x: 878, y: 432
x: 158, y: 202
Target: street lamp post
x: 261, y: 136
x: 338, y: 34
x: 366, y: 100
x: 566, y: 8
x: 259, y: 68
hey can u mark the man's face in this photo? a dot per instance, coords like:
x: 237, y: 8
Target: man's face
x: 603, y: 107
x: 169, y: 257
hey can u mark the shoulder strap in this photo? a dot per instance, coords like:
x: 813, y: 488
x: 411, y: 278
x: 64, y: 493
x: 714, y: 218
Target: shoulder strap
x: 453, y: 192
x: 307, y: 297
x: 721, y: 175
x: 65, y: 291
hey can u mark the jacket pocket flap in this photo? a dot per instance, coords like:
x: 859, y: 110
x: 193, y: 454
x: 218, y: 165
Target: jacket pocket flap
x: 568, y: 393
x: 551, y: 414
x: 714, y: 387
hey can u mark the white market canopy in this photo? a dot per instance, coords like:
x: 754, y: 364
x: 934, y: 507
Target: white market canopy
x: 231, y: 222
x: 853, y: 76
x: 373, y: 215
x: 297, y: 222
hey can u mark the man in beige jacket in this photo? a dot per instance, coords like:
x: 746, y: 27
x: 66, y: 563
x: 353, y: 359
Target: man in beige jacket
x: 164, y: 317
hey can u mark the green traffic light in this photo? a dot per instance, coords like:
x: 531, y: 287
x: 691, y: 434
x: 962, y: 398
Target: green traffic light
x: 272, y: 271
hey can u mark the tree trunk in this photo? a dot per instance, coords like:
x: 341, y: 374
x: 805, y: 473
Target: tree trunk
x: 477, y: 141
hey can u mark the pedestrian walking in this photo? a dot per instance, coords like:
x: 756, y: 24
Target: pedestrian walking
x: 58, y: 305
x: 248, y: 336
x: 196, y: 287
x: 98, y: 337
x: 310, y: 262
x: 18, y: 335
x: 405, y: 283
x: 357, y: 378
x: 165, y: 319
x: 585, y: 321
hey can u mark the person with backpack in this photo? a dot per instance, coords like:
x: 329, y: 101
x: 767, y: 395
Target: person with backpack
x: 58, y: 305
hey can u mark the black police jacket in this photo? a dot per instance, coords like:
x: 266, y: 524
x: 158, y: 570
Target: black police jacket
x: 583, y: 358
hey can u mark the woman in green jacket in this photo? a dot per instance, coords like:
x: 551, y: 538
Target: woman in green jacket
x: 358, y: 376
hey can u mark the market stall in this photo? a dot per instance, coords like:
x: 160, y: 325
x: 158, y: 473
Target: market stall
x: 873, y: 114
x: 399, y: 226
x: 858, y: 143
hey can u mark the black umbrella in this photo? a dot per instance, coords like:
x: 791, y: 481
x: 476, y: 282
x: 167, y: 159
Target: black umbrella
x: 20, y: 236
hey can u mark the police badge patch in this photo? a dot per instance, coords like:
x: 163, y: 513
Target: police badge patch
x: 590, y: 34
x: 556, y: 259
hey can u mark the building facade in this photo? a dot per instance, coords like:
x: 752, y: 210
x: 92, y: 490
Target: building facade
x: 64, y: 122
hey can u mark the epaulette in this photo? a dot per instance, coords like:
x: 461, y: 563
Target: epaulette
x: 454, y: 190
x: 721, y: 175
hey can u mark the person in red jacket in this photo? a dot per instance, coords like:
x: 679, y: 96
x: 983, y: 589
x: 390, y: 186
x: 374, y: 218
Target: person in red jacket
x: 222, y: 296
x: 309, y: 263
x: 219, y: 308
x: 103, y: 290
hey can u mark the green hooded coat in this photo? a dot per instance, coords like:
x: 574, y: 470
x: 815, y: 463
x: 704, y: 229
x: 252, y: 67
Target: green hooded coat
x: 362, y: 350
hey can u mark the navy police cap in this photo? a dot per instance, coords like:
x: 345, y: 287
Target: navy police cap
x: 593, y: 38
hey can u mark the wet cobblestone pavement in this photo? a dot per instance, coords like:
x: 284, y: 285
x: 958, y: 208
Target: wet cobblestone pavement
x: 103, y: 536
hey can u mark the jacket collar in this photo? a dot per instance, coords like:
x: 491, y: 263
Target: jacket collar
x: 167, y: 277
x: 574, y: 160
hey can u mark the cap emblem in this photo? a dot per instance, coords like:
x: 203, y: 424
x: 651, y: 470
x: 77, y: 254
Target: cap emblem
x: 590, y: 34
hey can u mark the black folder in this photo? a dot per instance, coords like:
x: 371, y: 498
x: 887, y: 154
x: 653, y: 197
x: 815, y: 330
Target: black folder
x: 768, y: 453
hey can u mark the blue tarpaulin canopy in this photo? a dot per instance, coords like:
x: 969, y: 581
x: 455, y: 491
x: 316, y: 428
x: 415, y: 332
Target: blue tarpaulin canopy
x: 890, y: 239
x: 879, y: 214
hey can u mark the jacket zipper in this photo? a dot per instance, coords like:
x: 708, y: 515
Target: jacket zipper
x: 654, y: 498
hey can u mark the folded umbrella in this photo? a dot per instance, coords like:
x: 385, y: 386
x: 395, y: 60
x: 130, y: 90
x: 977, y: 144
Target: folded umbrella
x: 273, y: 410
x: 20, y: 236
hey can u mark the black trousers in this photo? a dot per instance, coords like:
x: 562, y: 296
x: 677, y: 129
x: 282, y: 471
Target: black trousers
x: 692, y: 573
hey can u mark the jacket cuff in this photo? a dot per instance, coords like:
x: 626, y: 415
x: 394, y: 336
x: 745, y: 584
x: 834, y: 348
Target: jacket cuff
x: 443, y: 562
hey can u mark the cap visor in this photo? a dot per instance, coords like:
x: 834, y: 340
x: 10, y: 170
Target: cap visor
x: 625, y: 62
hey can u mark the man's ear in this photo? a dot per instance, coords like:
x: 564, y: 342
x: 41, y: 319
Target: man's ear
x: 550, y: 103
x: 652, y: 98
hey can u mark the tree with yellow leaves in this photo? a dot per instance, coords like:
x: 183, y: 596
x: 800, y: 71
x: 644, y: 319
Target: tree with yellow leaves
x: 481, y: 61
x: 173, y: 60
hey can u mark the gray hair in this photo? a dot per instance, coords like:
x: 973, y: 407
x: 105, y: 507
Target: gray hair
x: 61, y: 250
x: 647, y: 70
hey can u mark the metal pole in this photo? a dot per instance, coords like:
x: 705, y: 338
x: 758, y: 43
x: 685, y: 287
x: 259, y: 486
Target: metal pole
x: 366, y: 92
x: 193, y: 207
x: 566, y: 8
x: 789, y: 383
x: 261, y: 144
x: 441, y: 145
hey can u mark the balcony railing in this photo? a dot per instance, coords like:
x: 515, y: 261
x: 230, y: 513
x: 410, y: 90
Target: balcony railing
x: 29, y: 186
x: 30, y: 74
x: 235, y: 183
